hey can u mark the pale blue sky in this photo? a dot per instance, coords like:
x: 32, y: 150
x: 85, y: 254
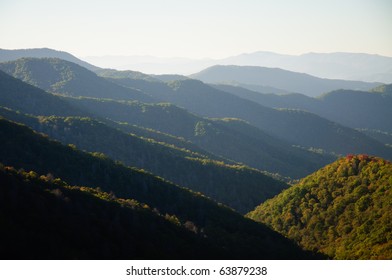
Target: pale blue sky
x: 199, y: 28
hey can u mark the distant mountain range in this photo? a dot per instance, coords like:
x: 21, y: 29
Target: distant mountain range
x: 276, y: 78
x: 339, y: 65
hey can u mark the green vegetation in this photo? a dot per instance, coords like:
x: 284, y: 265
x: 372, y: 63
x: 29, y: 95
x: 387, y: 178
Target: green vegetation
x: 343, y: 210
x: 42, y: 217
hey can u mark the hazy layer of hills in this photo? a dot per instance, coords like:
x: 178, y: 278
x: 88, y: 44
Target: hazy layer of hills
x: 121, y: 164
x: 339, y: 65
x: 343, y: 210
x: 276, y: 78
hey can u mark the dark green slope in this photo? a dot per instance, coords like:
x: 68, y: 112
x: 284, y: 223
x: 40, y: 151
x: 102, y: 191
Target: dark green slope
x: 239, y: 187
x: 240, y: 237
x: 343, y: 210
x: 42, y: 218
x: 64, y: 77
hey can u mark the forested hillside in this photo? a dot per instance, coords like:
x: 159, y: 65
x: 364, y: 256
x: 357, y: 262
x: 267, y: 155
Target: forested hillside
x: 236, y: 186
x: 22, y: 148
x: 343, y: 210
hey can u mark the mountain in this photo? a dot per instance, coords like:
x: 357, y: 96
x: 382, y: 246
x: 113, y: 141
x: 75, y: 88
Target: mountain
x: 356, y: 109
x: 339, y: 65
x: 67, y: 78
x: 10, y: 55
x: 233, y: 234
x: 343, y: 210
x: 277, y: 78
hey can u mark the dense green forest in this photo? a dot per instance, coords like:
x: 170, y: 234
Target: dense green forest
x: 343, y: 210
